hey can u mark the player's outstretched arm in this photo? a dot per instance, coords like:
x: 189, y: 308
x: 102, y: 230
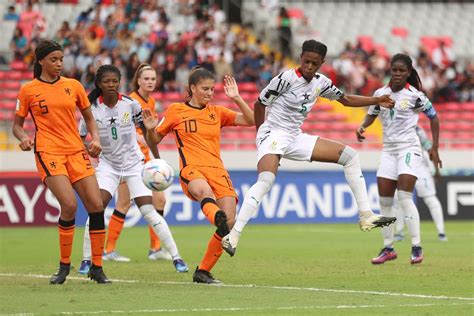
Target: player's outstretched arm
x: 360, y: 101
x: 232, y: 91
x: 368, y: 120
x: 26, y: 144
x: 94, y: 145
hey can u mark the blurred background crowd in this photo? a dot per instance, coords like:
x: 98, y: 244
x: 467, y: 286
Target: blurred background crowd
x: 128, y: 32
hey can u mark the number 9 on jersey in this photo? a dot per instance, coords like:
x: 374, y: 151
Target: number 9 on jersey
x: 157, y: 175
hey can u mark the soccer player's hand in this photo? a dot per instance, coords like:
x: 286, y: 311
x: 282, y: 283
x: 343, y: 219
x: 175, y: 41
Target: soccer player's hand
x: 359, y: 133
x: 437, y: 175
x: 434, y: 156
x: 230, y: 87
x: 149, y: 119
x: 94, y: 148
x: 26, y: 144
x: 386, y: 102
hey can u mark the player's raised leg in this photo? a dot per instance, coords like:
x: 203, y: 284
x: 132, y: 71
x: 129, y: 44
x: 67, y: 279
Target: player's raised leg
x: 331, y: 151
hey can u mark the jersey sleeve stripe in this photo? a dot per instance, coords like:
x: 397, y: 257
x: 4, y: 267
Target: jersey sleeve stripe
x: 180, y: 150
x: 43, y: 165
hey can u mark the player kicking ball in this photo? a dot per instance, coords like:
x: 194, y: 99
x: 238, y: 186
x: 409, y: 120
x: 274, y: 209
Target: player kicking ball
x: 279, y: 113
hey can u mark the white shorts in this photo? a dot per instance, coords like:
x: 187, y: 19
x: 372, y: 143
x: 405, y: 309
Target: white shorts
x: 394, y: 164
x: 109, y: 179
x: 425, y: 185
x: 272, y: 141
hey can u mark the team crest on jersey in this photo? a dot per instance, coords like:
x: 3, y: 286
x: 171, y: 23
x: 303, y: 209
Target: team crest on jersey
x: 404, y: 104
x: 273, y: 145
x: 67, y: 91
x: 125, y: 118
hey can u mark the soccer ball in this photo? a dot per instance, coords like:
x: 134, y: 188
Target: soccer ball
x: 157, y: 175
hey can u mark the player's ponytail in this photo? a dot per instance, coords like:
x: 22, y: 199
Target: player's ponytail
x: 197, y: 74
x: 134, y: 84
x: 97, y: 92
x: 44, y: 48
x: 414, y: 78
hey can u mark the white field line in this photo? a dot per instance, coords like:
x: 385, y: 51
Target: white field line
x: 253, y: 286
x: 241, y: 309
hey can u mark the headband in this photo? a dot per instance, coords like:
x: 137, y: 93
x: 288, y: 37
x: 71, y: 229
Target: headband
x: 54, y: 47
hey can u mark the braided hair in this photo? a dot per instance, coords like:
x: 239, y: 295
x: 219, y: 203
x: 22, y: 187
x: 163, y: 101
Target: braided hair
x: 414, y: 78
x: 44, y: 48
x: 94, y: 94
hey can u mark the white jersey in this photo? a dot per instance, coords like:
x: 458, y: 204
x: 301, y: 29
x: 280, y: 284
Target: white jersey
x: 399, y: 123
x: 289, y: 98
x: 117, y: 132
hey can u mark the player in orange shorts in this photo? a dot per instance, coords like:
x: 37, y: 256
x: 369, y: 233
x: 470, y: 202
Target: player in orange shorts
x: 61, y: 158
x: 196, y: 125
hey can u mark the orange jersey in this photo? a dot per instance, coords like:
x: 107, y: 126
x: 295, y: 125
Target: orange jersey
x: 52, y: 107
x: 197, y: 132
x: 150, y: 104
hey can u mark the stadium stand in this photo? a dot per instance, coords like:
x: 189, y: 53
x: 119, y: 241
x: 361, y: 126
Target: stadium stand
x: 174, y: 36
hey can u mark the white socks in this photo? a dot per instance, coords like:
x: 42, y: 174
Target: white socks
x: 387, y: 210
x: 354, y: 177
x: 86, y: 245
x: 412, y: 217
x: 252, y: 200
x: 436, y: 210
x: 159, y: 225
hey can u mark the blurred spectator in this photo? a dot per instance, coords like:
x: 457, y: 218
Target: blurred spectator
x: 284, y: 32
x: 31, y: 20
x: 11, y: 14
x: 18, y: 44
x: 92, y: 43
x: 222, y: 68
x: 443, y: 56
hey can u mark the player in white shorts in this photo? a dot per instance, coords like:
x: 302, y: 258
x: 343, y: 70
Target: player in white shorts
x: 425, y: 189
x: 121, y: 159
x: 401, y: 157
x: 287, y: 100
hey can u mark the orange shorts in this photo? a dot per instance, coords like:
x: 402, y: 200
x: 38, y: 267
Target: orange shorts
x: 76, y: 166
x: 218, y: 180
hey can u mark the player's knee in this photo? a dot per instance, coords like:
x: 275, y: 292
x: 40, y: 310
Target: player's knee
x: 386, y: 201
x: 159, y: 201
x: 348, y: 155
x: 201, y: 193
x: 266, y: 180
x: 68, y: 206
x: 147, y: 209
x: 404, y: 195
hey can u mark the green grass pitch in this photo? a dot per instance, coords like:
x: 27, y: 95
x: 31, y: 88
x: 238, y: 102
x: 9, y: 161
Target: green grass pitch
x: 278, y: 270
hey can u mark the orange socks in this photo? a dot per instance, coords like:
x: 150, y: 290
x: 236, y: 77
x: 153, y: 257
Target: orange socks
x: 213, y: 253
x: 97, y: 235
x: 209, y: 208
x: 115, y: 228
x: 66, y: 237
